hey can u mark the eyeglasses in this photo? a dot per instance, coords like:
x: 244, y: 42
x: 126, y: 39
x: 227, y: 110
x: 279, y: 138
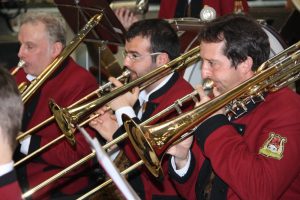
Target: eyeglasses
x: 136, y: 57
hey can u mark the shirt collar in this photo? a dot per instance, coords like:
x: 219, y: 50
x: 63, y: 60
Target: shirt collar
x: 143, y: 96
x: 30, y: 77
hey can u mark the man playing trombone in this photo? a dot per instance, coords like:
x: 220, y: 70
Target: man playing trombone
x: 42, y: 38
x: 247, y: 153
x: 149, y: 44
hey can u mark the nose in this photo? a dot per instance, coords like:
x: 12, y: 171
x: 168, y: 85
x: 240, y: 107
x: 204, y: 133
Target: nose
x: 205, y: 70
x: 21, y: 52
x: 127, y: 62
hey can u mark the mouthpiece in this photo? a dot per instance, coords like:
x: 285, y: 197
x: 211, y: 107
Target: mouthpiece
x: 19, y: 66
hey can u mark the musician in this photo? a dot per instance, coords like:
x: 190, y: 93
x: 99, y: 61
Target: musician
x: 11, y: 110
x: 42, y: 37
x: 149, y: 44
x: 250, y: 155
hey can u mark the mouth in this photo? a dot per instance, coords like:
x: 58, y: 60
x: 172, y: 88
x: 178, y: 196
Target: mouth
x: 133, y: 75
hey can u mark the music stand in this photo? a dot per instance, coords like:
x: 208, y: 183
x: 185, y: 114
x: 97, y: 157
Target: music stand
x: 77, y: 13
x: 109, y: 31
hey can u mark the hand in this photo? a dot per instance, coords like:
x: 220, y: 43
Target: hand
x: 126, y: 17
x: 106, y: 124
x: 205, y: 98
x: 127, y: 99
x: 180, y: 152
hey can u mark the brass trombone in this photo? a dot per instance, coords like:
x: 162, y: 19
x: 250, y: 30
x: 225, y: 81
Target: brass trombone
x: 37, y: 83
x: 102, y: 89
x: 151, y: 142
x: 272, y: 75
x: 176, y: 105
x: 176, y: 64
x: 68, y: 118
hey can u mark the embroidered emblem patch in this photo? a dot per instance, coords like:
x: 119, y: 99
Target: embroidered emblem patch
x: 273, y: 146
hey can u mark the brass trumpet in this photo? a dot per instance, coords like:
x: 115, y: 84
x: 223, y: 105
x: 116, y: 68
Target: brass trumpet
x: 37, y: 83
x: 151, y: 142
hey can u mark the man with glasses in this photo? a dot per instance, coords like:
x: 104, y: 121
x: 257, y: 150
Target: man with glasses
x: 149, y: 44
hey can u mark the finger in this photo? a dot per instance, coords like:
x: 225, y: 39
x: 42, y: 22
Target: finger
x: 115, y: 81
x: 113, y: 117
x: 200, y: 91
x: 216, y: 92
x: 136, y: 92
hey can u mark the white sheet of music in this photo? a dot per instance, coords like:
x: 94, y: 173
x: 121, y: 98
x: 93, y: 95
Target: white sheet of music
x: 109, y: 167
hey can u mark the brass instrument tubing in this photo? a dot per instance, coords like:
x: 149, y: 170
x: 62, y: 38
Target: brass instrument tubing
x: 206, y: 109
x: 170, y: 131
x: 50, y: 143
x: 178, y: 63
x: 105, y: 147
x: 71, y: 167
x: 151, y: 77
x: 36, y: 84
x: 102, y: 88
x: 38, y: 150
x: 90, y: 95
x: 58, y: 175
x: 124, y: 172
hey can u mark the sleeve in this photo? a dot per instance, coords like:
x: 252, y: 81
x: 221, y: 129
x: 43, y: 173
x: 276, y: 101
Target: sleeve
x: 239, y: 160
x: 9, y: 187
x: 186, y: 185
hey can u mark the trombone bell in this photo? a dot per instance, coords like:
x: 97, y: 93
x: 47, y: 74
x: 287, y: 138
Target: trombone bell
x: 63, y: 120
x: 140, y: 141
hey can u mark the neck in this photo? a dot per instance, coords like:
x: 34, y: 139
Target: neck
x: 5, y: 154
x: 154, y: 85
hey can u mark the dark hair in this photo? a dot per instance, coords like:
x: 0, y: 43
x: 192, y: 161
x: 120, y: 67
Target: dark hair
x: 11, y: 109
x: 163, y: 37
x: 243, y: 37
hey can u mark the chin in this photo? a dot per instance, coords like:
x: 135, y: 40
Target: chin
x: 133, y: 76
x: 28, y: 71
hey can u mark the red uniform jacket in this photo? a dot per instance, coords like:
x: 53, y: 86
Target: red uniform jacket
x: 150, y: 187
x: 222, y: 7
x: 67, y: 85
x: 9, y: 187
x: 246, y: 156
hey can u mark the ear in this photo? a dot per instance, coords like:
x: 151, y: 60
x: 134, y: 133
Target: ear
x: 246, y: 66
x: 57, y: 48
x: 162, y: 59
